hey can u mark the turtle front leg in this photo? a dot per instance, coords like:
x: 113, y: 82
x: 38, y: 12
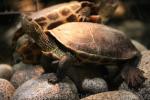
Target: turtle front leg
x: 133, y: 76
x: 81, y: 18
x: 64, y: 63
x: 95, y: 18
x: 92, y: 18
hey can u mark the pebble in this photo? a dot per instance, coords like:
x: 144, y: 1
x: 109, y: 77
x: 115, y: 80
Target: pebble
x: 6, y: 71
x: 94, y: 85
x: 145, y: 66
x: 113, y: 95
x: 42, y: 89
x: 88, y: 79
x: 144, y: 63
x: 6, y: 90
x: 25, y: 73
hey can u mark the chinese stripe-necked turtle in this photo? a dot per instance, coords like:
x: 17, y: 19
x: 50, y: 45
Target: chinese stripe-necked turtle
x: 78, y: 42
x: 74, y: 11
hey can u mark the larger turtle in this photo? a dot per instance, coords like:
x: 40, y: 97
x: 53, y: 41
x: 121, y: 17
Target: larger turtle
x: 84, y: 42
x: 56, y: 15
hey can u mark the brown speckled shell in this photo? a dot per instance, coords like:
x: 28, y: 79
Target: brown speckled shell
x: 58, y: 7
x: 56, y: 15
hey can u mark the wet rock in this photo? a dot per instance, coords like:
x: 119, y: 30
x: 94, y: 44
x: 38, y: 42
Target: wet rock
x: 145, y: 63
x: 6, y: 90
x: 25, y: 73
x: 20, y: 66
x: 6, y: 71
x: 95, y: 85
x: 113, y: 95
x: 139, y: 46
x: 145, y: 66
x: 88, y: 79
x: 42, y: 89
x: 145, y: 91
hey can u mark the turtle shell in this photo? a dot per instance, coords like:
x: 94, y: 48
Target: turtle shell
x: 94, y: 42
x: 56, y: 15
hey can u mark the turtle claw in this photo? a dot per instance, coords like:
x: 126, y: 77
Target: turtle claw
x: 57, y: 77
x: 53, y: 79
x: 133, y: 77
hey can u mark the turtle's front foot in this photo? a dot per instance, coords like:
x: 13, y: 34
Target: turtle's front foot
x: 57, y: 77
x: 133, y: 77
x: 53, y: 78
x: 64, y: 63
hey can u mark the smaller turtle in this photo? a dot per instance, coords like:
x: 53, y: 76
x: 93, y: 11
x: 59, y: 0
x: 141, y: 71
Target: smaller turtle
x: 84, y: 42
x: 74, y: 11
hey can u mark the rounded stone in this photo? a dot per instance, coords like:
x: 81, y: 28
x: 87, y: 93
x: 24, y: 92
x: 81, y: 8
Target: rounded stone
x: 42, y: 89
x: 95, y: 85
x: 145, y: 66
x: 25, y: 73
x: 145, y: 63
x: 6, y: 71
x: 88, y: 79
x: 113, y: 95
x: 6, y: 90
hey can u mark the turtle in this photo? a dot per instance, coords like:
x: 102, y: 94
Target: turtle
x: 56, y: 15
x: 73, y: 11
x: 76, y: 43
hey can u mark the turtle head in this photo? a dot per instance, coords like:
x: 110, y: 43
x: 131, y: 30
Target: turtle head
x: 42, y: 38
x: 86, y: 8
x: 106, y: 8
x: 30, y: 27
